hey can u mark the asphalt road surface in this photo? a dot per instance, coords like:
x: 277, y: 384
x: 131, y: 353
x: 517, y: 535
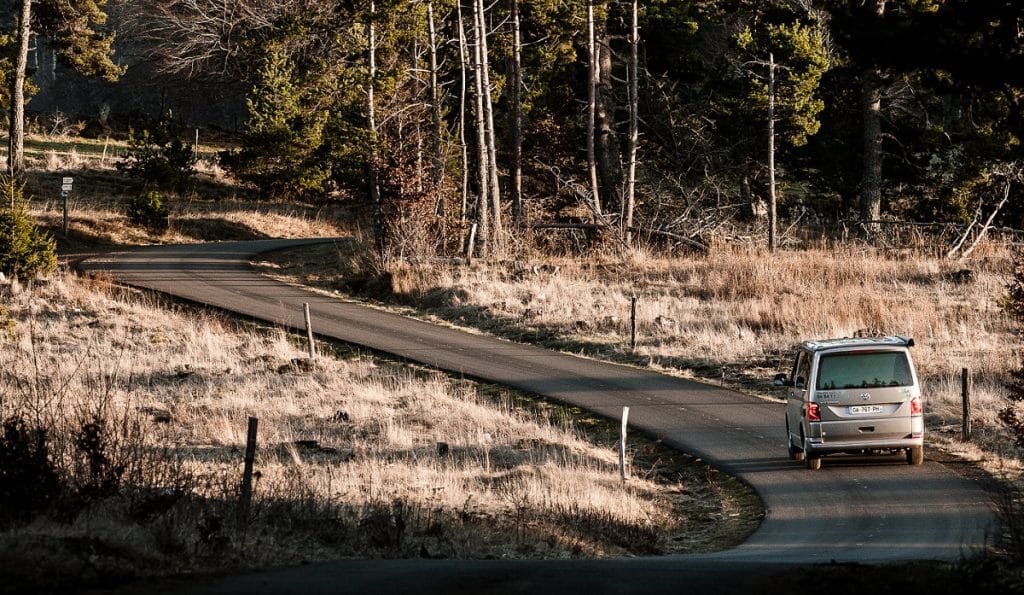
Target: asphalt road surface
x: 853, y: 510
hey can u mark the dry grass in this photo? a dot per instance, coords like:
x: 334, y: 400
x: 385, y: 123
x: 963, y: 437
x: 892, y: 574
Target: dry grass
x: 740, y: 311
x: 348, y: 461
x: 219, y: 211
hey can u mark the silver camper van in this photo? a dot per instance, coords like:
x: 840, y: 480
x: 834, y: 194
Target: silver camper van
x: 857, y: 396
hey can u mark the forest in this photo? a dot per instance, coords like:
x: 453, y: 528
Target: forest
x: 663, y: 121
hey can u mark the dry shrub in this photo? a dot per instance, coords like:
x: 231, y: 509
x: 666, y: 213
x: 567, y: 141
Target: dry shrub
x: 56, y: 162
x: 413, y: 229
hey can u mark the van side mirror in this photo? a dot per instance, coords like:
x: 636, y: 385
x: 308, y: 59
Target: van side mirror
x: 782, y: 380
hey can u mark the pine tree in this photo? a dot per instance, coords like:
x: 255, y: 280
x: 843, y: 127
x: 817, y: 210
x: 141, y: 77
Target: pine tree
x: 25, y: 250
x: 282, y: 140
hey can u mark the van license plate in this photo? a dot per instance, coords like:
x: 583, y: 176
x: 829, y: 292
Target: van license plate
x: 862, y: 409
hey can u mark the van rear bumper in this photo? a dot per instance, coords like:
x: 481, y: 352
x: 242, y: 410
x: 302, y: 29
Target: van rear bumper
x: 816, y: 445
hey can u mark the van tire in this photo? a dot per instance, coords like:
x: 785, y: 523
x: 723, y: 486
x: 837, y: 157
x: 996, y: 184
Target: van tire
x: 811, y: 460
x: 915, y: 455
x: 795, y: 454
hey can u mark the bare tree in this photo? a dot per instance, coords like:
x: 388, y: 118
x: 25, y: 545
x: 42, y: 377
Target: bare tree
x: 516, y: 99
x: 592, y: 79
x: 1010, y: 174
x: 16, y: 133
x: 772, y: 199
x: 629, y: 200
x: 203, y: 37
x: 463, y: 89
x: 437, y: 159
x: 483, y: 179
x: 492, y: 153
x: 371, y: 111
x: 609, y: 157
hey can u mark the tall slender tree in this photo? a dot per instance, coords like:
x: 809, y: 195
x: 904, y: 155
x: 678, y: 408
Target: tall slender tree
x: 516, y: 99
x: 371, y: 111
x: 492, y: 152
x: 629, y: 200
x: 483, y: 205
x: 593, y: 70
x: 73, y: 29
x: 16, y: 122
x: 871, y: 113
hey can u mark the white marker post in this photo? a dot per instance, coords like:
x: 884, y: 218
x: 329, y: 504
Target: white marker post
x: 622, y: 445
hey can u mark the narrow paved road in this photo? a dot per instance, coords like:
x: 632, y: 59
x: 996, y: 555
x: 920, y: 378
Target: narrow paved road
x: 852, y: 510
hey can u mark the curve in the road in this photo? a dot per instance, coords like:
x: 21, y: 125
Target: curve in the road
x: 851, y: 510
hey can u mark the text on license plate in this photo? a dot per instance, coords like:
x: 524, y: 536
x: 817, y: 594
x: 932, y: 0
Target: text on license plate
x: 862, y: 409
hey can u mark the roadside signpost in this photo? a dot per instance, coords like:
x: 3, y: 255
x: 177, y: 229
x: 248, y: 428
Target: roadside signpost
x: 65, y: 190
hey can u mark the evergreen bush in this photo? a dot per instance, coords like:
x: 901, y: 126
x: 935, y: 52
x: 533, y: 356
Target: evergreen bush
x: 149, y: 210
x: 25, y: 250
x: 159, y: 159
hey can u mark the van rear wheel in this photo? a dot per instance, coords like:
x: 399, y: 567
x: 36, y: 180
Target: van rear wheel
x: 811, y: 460
x: 795, y: 453
x: 915, y: 455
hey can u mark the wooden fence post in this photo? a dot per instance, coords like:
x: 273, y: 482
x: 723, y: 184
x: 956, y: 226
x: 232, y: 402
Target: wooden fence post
x: 309, y: 331
x: 250, y: 458
x: 632, y: 322
x: 965, y: 394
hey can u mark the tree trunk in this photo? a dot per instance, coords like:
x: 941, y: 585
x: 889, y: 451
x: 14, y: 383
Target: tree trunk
x: 516, y: 96
x: 772, y: 210
x: 16, y: 124
x: 417, y: 120
x: 871, y: 108
x: 371, y: 110
x: 492, y: 153
x: 629, y: 201
x: 463, y: 89
x: 595, y: 185
x: 437, y: 159
x: 483, y: 179
x: 609, y: 157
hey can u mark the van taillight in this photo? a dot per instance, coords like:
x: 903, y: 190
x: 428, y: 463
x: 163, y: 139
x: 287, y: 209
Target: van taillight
x: 813, y: 412
x: 915, y: 406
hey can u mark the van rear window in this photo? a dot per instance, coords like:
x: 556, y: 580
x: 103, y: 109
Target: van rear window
x: 864, y: 370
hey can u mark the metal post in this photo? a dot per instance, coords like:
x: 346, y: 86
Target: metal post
x: 965, y: 393
x: 632, y: 322
x: 309, y: 331
x: 622, y: 445
x: 250, y: 458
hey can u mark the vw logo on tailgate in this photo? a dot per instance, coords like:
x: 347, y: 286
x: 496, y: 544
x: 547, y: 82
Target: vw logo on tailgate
x: 865, y: 397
